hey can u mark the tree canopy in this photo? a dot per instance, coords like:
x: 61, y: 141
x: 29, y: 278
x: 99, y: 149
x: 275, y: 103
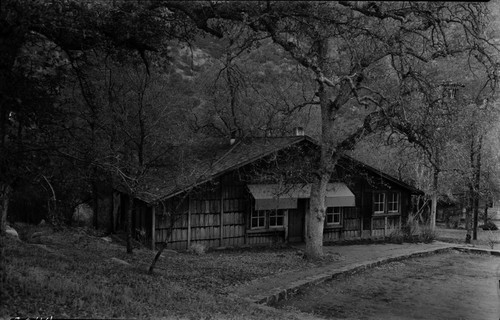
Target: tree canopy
x: 112, y: 87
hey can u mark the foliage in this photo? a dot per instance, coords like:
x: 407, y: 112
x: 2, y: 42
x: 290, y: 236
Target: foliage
x: 489, y: 225
x: 427, y: 234
x: 396, y: 236
x: 411, y: 228
x: 492, y: 239
x: 95, y: 83
x: 412, y: 231
x: 197, y: 249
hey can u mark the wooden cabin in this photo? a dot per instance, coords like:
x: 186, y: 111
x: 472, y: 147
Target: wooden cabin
x: 256, y: 191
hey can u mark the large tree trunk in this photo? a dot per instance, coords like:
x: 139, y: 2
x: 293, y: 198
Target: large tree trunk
x: 95, y: 191
x: 315, y: 219
x: 468, y: 216
x: 129, y: 223
x: 435, y: 180
x: 116, y: 207
x: 476, y: 216
x: 5, y: 190
x: 485, y: 217
x: 477, y: 185
x: 315, y: 216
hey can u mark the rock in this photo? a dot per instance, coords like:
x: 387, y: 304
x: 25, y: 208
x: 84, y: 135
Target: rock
x: 41, y: 237
x: 43, y: 240
x: 83, y: 215
x: 120, y: 261
x: 37, y: 234
x: 12, y: 232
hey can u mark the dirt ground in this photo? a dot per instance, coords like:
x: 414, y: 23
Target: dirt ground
x: 442, y: 286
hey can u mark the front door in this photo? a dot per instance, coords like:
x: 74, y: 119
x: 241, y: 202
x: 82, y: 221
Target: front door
x: 296, y: 219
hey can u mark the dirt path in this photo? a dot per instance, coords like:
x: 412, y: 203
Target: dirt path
x: 443, y: 286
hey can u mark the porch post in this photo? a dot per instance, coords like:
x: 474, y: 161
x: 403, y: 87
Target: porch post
x: 385, y: 226
x: 189, y: 222
x: 221, y: 240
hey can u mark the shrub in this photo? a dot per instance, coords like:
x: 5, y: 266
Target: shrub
x: 426, y: 234
x: 197, y: 248
x: 411, y: 228
x: 489, y: 225
x: 396, y: 236
x: 492, y: 240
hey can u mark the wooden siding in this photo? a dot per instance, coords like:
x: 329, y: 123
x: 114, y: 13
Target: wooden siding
x: 349, y: 229
x: 212, y: 216
x: 382, y: 226
x: 266, y: 237
x: 218, y: 215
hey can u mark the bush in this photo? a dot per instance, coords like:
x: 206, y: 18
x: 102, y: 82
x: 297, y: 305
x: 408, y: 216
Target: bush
x: 412, y: 231
x: 396, y: 236
x: 411, y: 228
x: 197, y: 248
x: 426, y: 235
x: 489, y: 225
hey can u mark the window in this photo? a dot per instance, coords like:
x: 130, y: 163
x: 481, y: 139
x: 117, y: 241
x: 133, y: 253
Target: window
x: 276, y: 218
x: 386, y: 203
x: 262, y: 219
x: 258, y: 219
x: 379, y: 203
x: 333, y: 215
x: 393, y: 202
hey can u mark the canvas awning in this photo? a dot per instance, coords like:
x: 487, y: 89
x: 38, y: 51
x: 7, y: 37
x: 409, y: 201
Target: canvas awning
x: 274, y: 196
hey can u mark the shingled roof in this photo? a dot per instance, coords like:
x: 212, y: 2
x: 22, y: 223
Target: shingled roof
x: 213, y: 160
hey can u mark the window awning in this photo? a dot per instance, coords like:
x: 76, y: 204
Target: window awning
x: 274, y: 196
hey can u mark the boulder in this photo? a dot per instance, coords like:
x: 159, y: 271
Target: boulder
x: 12, y: 232
x: 107, y: 239
x: 120, y: 261
x: 42, y: 237
x: 83, y: 215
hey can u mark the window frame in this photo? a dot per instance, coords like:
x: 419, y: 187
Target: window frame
x: 276, y: 214
x: 267, y: 215
x: 257, y: 215
x: 383, y: 202
x: 397, y: 202
x: 387, y: 203
x: 333, y: 214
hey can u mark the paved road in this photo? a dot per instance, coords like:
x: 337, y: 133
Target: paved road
x: 353, y: 256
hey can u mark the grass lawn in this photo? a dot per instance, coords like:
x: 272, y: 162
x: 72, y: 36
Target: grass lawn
x: 72, y: 274
x: 485, y: 238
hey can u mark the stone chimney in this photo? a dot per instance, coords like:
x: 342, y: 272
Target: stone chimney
x: 298, y: 131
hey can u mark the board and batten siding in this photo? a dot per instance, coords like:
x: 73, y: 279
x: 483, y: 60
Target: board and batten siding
x: 213, y: 216
x: 349, y: 228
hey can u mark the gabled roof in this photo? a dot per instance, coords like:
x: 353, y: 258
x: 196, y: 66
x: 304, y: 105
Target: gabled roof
x: 215, y: 160
x: 381, y: 174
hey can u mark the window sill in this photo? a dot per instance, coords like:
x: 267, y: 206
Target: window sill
x: 266, y: 230
x: 333, y: 226
x: 386, y: 214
